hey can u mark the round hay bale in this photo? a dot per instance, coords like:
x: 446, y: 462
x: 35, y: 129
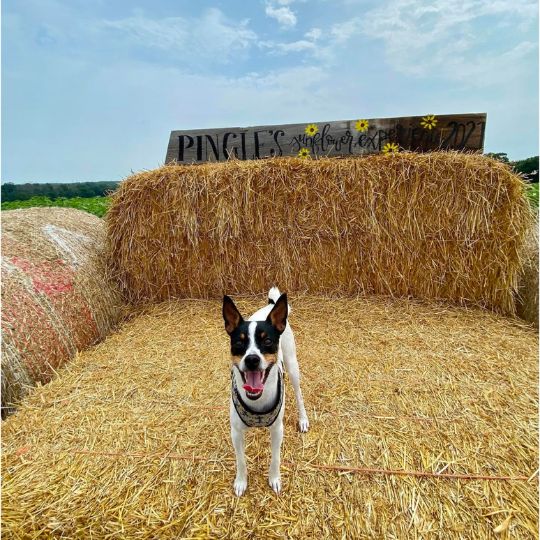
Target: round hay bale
x: 434, y: 226
x: 56, y: 296
x: 423, y: 424
x: 16, y: 380
x: 527, y: 297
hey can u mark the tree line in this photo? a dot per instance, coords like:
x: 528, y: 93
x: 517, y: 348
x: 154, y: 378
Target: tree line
x: 22, y: 192
x: 527, y: 167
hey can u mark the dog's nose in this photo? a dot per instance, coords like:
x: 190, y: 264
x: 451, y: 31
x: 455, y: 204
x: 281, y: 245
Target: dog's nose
x: 252, y: 361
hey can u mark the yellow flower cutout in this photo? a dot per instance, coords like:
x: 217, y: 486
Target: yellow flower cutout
x: 303, y: 153
x: 390, y: 148
x: 311, y: 129
x: 429, y: 121
x: 362, y: 125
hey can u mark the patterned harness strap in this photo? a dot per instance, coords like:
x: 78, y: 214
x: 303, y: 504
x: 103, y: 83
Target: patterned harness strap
x: 253, y: 418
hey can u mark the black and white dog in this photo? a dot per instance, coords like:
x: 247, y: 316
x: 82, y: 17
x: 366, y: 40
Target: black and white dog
x: 260, y: 348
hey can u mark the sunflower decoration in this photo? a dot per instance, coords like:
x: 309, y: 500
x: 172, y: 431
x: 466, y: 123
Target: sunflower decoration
x: 362, y: 125
x: 390, y: 148
x: 429, y: 121
x: 303, y: 153
x: 311, y: 129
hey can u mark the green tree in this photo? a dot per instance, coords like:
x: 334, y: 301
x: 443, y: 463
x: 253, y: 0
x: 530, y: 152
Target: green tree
x: 8, y: 190
x: 528, y: 167
x: 501, y: 156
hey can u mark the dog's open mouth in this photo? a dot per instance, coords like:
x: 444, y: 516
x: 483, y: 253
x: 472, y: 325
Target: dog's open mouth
x: 254, y: 382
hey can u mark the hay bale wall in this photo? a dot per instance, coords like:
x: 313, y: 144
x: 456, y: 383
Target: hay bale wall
x: 527, y: 299
x: 56, y: 296
x: 435, y: 226
x: 417, y: 413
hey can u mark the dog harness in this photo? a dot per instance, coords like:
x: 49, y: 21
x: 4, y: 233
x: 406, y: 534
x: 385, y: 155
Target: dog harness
x: 253, y: 418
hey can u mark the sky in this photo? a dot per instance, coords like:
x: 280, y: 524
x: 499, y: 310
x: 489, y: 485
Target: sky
x: 92, y: 88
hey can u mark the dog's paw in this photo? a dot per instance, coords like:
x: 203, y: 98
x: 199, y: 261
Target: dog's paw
x: 275, y: 483
x: 303, y: 424
x: 240, y: 486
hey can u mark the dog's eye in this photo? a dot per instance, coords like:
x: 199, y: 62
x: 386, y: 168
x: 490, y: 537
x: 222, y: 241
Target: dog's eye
x: 267, y: 342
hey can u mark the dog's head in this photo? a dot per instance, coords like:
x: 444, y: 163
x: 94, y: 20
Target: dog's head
x: 254, y: 344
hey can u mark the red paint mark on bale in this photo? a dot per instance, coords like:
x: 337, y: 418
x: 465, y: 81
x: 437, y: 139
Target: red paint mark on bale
x: 48, y: 277
x: 23, y: 264
x: 36, y: 332
x: 57, y: 318
x: 52, y: 288
x: 74, y: 308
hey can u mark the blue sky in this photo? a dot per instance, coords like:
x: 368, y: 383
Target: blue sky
x: 92, y: 88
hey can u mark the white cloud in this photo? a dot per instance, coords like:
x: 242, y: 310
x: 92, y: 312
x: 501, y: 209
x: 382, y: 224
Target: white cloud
x: 288, y: 2
x: 294, y: 46
x: 283, y: 15
x: 343, y: 32
x: 212, y: 36
x: 301, y: 45
x: 479, y: 70
x: 314, y: 34
x: 171, y: 33
x: 441, y: 38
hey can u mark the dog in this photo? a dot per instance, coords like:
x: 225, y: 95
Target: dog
x: 260, y: 348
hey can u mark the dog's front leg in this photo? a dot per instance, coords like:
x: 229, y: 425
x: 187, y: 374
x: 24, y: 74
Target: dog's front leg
x: 276, y: 434
x: 237, y: 436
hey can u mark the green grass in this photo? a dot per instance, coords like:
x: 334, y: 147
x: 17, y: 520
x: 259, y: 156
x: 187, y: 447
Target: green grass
x: 94, y: 205
x: 532, y: 193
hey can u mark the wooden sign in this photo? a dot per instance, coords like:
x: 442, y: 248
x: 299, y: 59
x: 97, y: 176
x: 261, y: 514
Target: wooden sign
x: 341, y: 138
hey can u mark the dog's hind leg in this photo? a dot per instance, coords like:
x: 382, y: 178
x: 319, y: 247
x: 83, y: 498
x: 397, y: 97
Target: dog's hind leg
x: 288, y: 347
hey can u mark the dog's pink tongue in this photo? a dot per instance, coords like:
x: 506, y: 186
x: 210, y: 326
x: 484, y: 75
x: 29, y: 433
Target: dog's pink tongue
x: 254, y: 381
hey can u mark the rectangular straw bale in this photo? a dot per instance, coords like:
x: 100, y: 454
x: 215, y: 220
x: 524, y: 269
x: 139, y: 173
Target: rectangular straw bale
x: 132, y: 440
x: 435, y: 226
x: 527, y: 297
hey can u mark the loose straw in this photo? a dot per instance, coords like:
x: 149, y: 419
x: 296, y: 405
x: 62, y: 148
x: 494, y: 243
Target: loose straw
x: 352, y: 470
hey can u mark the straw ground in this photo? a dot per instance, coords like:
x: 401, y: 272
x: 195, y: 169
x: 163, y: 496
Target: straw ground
x: 407, y: 402
x: 441, y: 225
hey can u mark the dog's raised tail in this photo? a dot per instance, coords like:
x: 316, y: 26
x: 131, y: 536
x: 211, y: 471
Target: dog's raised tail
x: 273, y: 295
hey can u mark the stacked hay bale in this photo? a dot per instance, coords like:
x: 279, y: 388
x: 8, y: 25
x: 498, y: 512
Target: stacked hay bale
x: 434, y: 226
x: 56, y: 296
x: 423, y: 416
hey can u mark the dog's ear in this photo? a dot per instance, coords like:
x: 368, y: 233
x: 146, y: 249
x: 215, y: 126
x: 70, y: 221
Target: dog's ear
x: 278, y: 316
x: 231, y: 315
